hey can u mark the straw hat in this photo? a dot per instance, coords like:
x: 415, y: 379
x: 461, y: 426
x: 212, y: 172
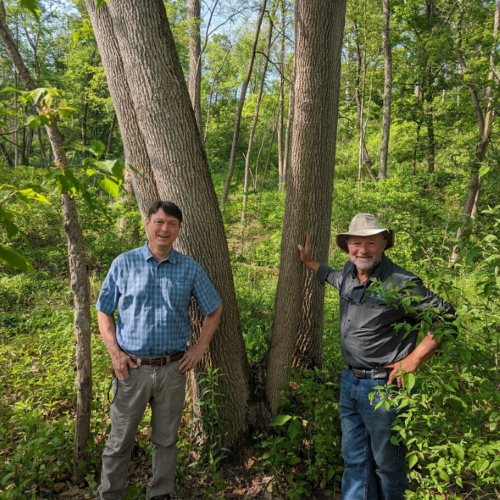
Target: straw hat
x: 364, y: 225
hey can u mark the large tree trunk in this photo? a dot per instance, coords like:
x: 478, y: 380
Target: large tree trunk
x: 281, y: 100
x: 256, y: 119
x: 195, y: 61
x: 386, y: 120
x: 309, y: 348
x: 80, y: 286
x: 310, y: 18
x: 136, y: 154
x: 237, y: 120
x: 147, y: 56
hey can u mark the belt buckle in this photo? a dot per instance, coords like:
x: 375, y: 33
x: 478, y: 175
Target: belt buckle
x: 138, y: 361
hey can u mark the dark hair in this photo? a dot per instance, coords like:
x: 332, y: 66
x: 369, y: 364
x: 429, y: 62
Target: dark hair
x: 168, y: 207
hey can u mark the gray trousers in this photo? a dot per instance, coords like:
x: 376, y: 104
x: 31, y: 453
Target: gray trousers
x: 164, y: 388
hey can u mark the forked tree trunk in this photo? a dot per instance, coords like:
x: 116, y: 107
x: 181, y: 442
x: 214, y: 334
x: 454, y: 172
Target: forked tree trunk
x: 147, y: 55
x: 80, y: 286
x: 386, y: 120
x: 256, y: 119
x: 241, y: 103
x: 195, y: 61
x: 309, y: 348
x: 136, y: 154
x: 310, y: 18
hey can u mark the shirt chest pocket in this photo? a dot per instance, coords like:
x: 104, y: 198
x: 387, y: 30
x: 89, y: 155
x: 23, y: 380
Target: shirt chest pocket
x: 176, y: 293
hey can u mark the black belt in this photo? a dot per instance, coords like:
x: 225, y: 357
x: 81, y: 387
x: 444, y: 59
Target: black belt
x: 377, y: 373
x: 157, y: 361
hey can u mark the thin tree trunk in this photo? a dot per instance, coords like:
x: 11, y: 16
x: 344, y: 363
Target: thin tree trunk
x: 431, y: 151
x: 27, y: 149
x: 472, y: 199
x: 78, y: 268
x: 194, y: 11
x: 237, y: 121
x: 256, y: 118
x: 6, y: 155
x: 255, y: 178
x: 386, y: 120
x: 309, y: 45
x: 211, y: 94
x: 110, y: 138
x: 268, y: 154
x: 84, y: 126
x: 281, y: 101
x: 309, y: 348
x: 152, y: 70
x: 42, y: 149
x: 415, y: 149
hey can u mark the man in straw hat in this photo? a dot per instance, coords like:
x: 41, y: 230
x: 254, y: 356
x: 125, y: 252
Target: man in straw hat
x: 376, y: 354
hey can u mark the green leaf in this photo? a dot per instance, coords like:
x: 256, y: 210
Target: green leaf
x: 294, y: 460
x: 110, y: 186
x: 280, y: 420
x: 458, y: 451
x: 444, y: 476
x: 32, y: 6
x: 455, y: 226
x: 14, y: 260
x: 409, y: 380
x: 98, y: 147
x: 483, y: 170
x: 412, y: 461
x: 34, y: 121
x: 482, y: 465
x: 12, y: 89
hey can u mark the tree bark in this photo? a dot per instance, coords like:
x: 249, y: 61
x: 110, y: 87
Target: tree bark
x: 386, y: 120
x: 256, y: 118
x: 80, y: 286
x: 165, y: 118
x: 309, y: 348
x: 415, y: 149
x: 273, y: 135
x: 310, y: 16
x: 27, y: 149
x: 42, y: 149
x: 237, y: 121
x: 194, y: 11
x: 6, y: 155
x: 136, y: 154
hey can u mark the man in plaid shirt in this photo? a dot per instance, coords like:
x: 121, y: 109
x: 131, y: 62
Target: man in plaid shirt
x: 151, y: 287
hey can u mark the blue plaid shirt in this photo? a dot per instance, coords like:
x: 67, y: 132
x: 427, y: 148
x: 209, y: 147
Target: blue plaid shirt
x: 153, y: 300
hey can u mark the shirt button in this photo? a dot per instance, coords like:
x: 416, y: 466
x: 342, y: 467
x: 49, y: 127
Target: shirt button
x: 158, y: 286
x: 157, y: 305
x: 157, y: 345
x: 158, y: 324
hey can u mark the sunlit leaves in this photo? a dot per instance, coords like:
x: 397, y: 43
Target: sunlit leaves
x: 32, y: 6
x: 13, y: 259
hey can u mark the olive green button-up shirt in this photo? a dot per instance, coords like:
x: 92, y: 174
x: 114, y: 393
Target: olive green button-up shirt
x: 368, y: 338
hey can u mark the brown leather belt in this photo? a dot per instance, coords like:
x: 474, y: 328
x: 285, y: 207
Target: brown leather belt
x: 158, y: 361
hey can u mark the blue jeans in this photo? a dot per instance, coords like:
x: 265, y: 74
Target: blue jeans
x: 375, y: 469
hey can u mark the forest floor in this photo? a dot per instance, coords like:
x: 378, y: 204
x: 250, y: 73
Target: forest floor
x: 245, y: 482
